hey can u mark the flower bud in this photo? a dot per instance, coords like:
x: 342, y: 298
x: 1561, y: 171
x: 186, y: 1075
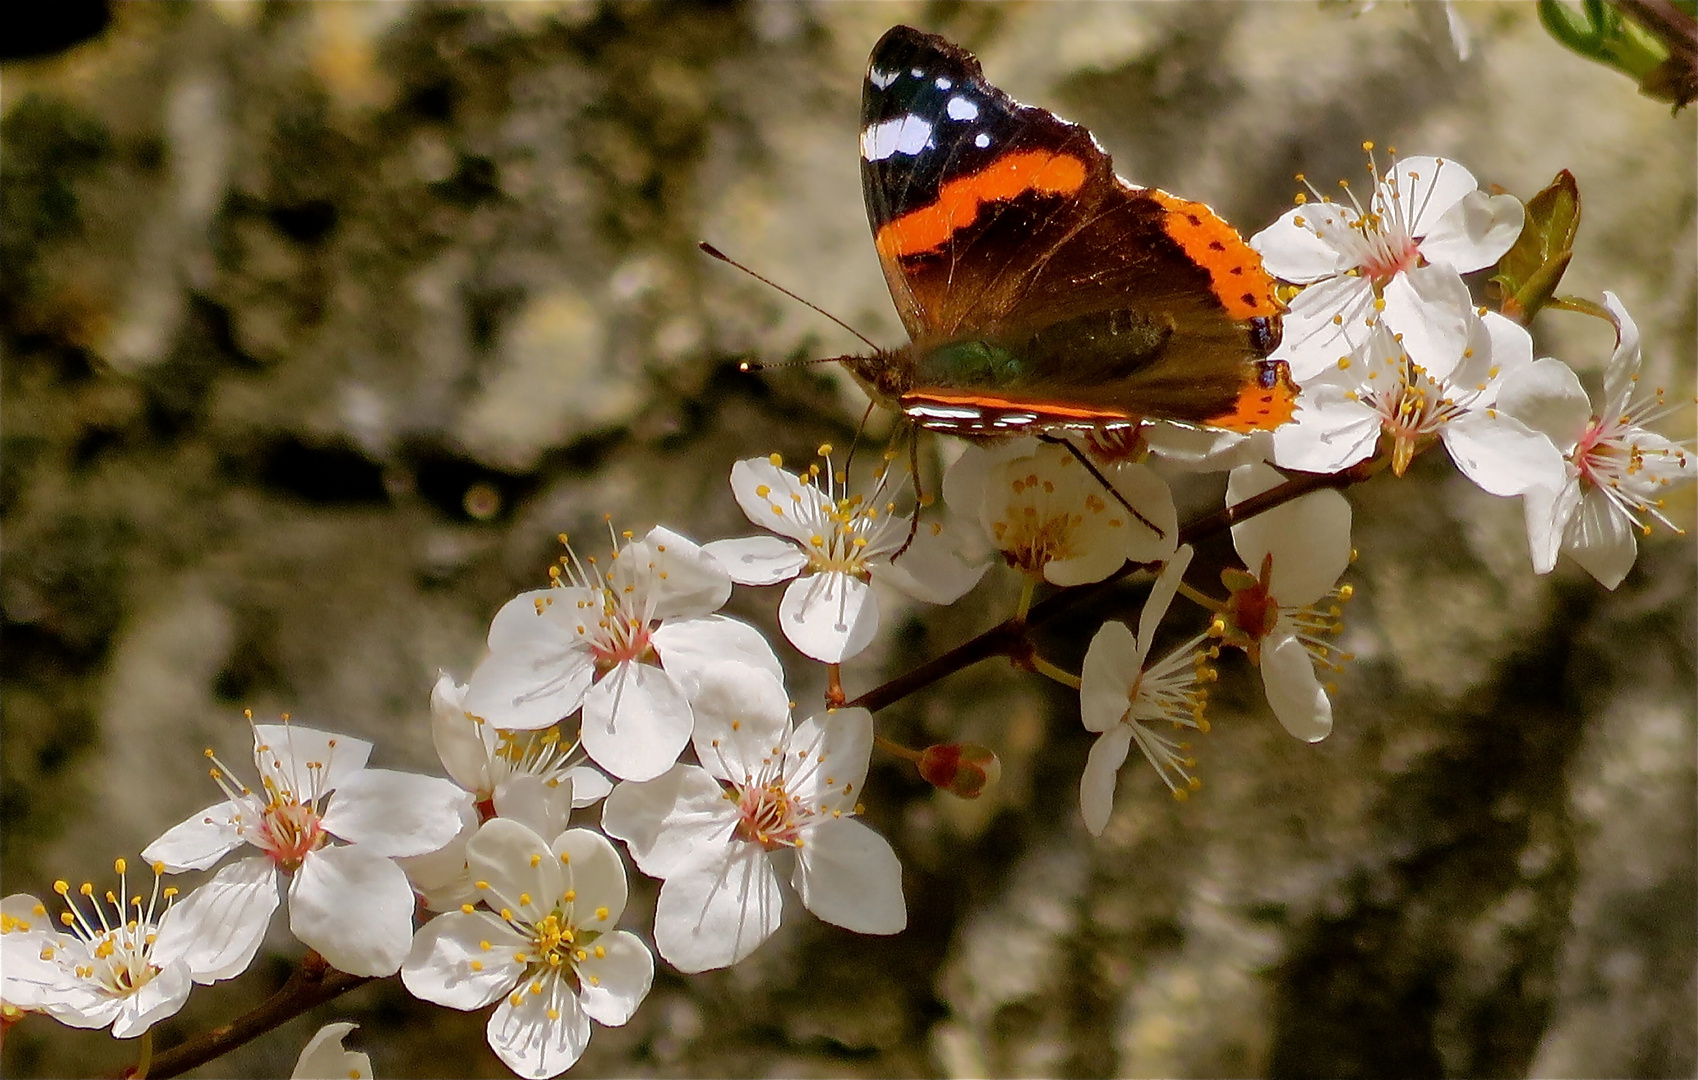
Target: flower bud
x: 962, y: 769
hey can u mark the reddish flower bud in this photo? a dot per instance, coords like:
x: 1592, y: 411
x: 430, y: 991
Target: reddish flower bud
x: 962, y: 769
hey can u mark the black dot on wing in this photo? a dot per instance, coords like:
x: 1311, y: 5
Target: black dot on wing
x: 1216, y: 245
x: 1248, y: 298
x: 1193, y: 219
x: 1238, y: 270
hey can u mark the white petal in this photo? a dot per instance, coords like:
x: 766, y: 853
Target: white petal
x: 686, y: 646
x: 589, y: 785
x: 1547, y: 514
x: 758, y: 560
x: 1309, y: 538
x: 1148, y: 493
x: 1547, y: 397
x: 216, y: 929
x: 439, y: 877
x: 528, y: 1040
x: 827, y: 760
x: 543, y: 806
x: 1187, y: 449
x: 1162, y: 592
x: 526, y: 685
x: 829, y: 617
x: 439, y: 968
x: 789, y: 507
x: 1325, y: 321
x: 635, y: 722
x: 1329, y: 433
x: 198, y: 841
x: 395, y: 813
x: 324, y: 1058
x: 1601, y: 540
x: 1623, y: 367
x: 687, y: 582
x: 1426, y: 187
x: 1474, y: 232
x: 666, y: 820
x: 964, y: 482
x: 1097, y: 554
x: 515, y: 869
x: 1297, y: 697
x: 541, y: 616
x: 741, y: 714
x: 302, y: 759
x: 1501, y: 454
x: 1292, y: 252
x: 1429, y: 307
x: 458, y: 737
x: 616, y: 977
x: 355, y: 908
x: 1102, y: 771
x: 847, y: 875
x: 717, y: 908
x: 936, y: 568
x: 1112, y: 662
x: 593, y: 872
x: 160, y: 998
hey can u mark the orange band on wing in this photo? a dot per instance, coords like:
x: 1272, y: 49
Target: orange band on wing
x: 959, y: 200
x: 1235, y: 269
x: 1261, y: 408
x: 1046, y: 409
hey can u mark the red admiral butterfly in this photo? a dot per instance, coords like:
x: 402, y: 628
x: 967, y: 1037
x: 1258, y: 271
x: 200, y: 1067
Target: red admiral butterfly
x: 1040, y: 290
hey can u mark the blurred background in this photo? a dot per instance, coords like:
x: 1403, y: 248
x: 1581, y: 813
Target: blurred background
x: 321, y: 321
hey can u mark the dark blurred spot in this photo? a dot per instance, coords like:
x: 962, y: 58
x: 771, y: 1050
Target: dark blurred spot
x: 464, y: 490
x: 30, y: 31
x: 473, y: 182
x: 434, y: 101
x: 326, y: 473
x: 305, y: 222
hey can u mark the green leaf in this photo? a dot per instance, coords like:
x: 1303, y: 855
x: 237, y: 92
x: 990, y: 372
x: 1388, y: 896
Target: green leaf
x: 1529, y: 272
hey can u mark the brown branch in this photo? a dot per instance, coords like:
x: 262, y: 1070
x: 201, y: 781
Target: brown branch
x: 1009, y: 638
x: 311, y: 984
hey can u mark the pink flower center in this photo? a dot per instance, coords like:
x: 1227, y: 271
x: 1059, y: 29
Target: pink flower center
x: 289, y: 831
x: 1585, y: 451
x: 616, y: 649
x: 768, y: 816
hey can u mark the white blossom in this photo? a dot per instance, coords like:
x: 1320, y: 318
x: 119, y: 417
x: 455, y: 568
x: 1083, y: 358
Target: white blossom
x: 127, y: 964
x: 1122, y: 699
x: 1380, y: 397
x: 1284, y: 612
x: 624, y: 643
x: 1396, y: 260
x: 834, y: 545
x: 542, y: 942
x: 1051, y: 519
x: 325, y: 1059
x: 335, y: 827
x: 769, y: 799
x: 1615, y: 470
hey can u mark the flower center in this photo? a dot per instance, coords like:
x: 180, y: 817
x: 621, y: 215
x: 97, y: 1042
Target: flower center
x: 768, y: 816
x: 289, y: 830
x: 623, y: 638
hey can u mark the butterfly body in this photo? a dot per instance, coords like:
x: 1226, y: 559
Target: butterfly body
x: 1041, y: 291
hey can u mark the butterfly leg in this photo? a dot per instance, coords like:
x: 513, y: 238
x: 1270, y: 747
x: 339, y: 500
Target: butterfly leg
x: 1091, y: 467
x: 919, y: 497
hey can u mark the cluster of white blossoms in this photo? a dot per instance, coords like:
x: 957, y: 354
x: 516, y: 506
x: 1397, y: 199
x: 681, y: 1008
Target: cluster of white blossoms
x: 618, y: 715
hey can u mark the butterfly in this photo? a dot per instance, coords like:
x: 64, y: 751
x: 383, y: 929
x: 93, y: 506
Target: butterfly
x: 1040, y: 291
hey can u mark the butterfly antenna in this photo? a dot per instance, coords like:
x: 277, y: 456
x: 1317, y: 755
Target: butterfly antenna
x: 709, y: 249
x: 1091, y: 467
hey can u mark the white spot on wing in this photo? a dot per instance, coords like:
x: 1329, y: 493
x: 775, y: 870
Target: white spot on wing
x: 916, y: 72
x: 942, y: 83
x: 907, y: 134
x: 959, y: 108
x: 882, y: 79
x: 981, y: 140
